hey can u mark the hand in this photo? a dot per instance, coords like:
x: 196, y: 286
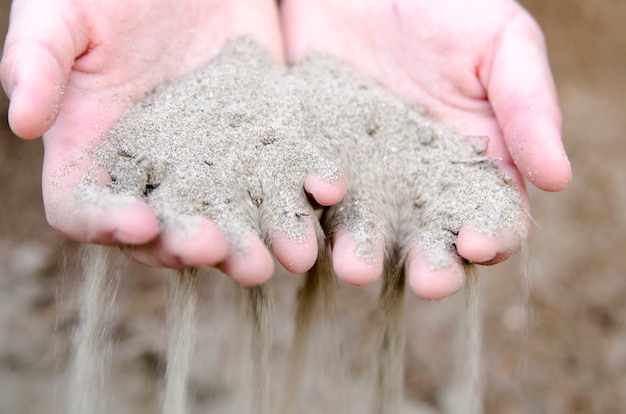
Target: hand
x: 478, y: 65
x: 71, y: 68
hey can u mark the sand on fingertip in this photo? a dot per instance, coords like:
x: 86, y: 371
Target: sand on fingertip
x: 226, y: 142
x: 235, y: 141
x: 412, y: 180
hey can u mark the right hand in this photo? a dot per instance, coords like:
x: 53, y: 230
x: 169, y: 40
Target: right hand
x: 72, y: 67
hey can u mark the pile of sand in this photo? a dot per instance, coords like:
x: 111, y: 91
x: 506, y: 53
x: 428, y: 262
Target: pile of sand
x: 235, y: 140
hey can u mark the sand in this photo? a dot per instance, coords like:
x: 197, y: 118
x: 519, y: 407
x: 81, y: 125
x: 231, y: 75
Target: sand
x: 235, y: 140
x: 94, y: 337
x: 572, y: 275
x: 181, y: 327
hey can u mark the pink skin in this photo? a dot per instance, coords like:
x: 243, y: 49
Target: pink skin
x: 478, y: 65
x: 72, y: 67
x: 252, y: 269
x: 433, y: 283
x: 352, y: 268
x: 300, y: 256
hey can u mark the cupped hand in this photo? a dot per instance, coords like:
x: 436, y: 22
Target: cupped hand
x: 479, y: 65
x: 72, y: 67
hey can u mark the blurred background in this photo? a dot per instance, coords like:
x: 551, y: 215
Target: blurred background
x: 564, y: 353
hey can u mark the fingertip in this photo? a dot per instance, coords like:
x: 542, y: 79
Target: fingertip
x: 39, y: 52
x: 26, y: 117
x: 556, y: 174
x: 325, y: 192
x: 297, y: 256
x: 132, y: 222
x: 537, y: 149
x: 487, y: 249
x: 354, y: 266
x: 35, y: 94
x: 562, y: 178
x: 254, y: 267
x: 195, y: 240
x: 113, y: 220
x: 434, y: 282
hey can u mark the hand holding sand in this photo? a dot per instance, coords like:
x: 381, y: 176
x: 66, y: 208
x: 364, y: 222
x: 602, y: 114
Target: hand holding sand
x: 479, y: 65
x: 235, y: 141
x: 71, y: 68
x: 226, y: 143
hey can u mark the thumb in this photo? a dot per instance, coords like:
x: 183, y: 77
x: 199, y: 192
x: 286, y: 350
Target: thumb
x: 523, y: 96
x: 40, y: 48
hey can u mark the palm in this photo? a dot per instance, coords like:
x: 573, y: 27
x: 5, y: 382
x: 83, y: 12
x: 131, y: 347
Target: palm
x: 478, y: 65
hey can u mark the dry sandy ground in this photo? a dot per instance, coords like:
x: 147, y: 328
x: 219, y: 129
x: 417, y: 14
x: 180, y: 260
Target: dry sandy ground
x: 570, y: 358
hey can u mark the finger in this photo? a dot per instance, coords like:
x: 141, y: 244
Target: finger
x: 131, y: 222
x: 185, y: 241
x: 38, y: 56
x: 253, y: 267
x: 487, y: 249
x: 354, y: 263
x: 195, y: 241
x: 291, y: 233
x: 324, y: 192
x: 98, y: 217
x: 522, y: 92
x: 431, y: 279
x: 297, y: 256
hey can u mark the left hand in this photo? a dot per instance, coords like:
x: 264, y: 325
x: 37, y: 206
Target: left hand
x: 480, y: 66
